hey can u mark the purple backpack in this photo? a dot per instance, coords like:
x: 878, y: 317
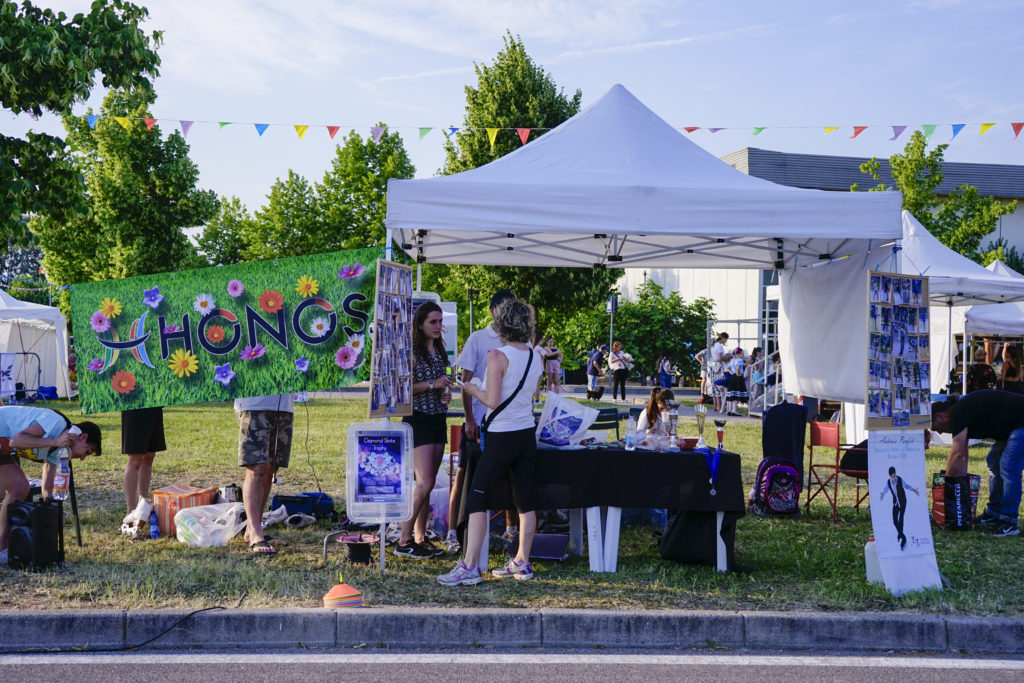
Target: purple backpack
x: 777, y: 488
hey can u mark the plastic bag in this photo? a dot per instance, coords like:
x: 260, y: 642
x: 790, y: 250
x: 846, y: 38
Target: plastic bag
x: 563, y: 422
x: 207, y: 526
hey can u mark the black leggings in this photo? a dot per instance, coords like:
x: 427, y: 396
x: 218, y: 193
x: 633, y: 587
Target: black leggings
x: 619, y: 381
x: 505, y: 452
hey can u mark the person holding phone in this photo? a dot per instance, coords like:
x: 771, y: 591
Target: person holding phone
x: 431, y: 392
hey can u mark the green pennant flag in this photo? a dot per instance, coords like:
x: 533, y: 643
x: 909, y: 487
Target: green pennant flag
x: 424, y: 131
x: 223, y: 123
x: 928, y: 129
x: 757, y: 131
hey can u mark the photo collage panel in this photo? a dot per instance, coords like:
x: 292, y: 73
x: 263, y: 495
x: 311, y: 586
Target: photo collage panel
x: 391, y: 378
x: 899, y: 353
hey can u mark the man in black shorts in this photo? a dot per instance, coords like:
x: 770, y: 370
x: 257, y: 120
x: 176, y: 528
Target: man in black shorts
x: 264, y: 445
x: 142, y: 435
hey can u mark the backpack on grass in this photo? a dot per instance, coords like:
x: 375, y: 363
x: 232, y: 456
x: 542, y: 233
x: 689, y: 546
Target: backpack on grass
x: 777, y: 488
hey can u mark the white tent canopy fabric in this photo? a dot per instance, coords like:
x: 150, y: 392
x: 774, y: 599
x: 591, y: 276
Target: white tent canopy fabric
x: 26, y: 327
x: 1001, y: 319
x: 617, y: 186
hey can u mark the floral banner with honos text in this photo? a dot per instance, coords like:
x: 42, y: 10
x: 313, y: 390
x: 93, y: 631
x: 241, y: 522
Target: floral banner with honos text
x: 212, y: 334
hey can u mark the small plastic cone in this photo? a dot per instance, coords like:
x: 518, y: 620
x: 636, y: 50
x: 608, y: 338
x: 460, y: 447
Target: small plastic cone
x: 343, y: 595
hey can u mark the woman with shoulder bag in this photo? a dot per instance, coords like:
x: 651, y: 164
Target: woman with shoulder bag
x: 509, y: 443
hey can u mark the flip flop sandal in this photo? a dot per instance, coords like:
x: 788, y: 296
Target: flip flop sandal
x: 261, y: 548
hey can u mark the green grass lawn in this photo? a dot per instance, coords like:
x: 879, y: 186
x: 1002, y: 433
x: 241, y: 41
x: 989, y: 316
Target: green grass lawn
x: 807, y: 563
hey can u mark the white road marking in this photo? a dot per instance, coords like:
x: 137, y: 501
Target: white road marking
x: 866, y: 662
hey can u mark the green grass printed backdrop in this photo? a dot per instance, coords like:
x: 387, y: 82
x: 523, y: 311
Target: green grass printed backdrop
x: 274, y: 372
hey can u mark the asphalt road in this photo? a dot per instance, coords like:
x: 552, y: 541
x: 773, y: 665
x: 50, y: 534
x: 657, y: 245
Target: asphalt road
x: 518, y: 667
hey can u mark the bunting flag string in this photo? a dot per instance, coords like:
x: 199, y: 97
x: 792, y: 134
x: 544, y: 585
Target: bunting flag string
x: 377, y: 132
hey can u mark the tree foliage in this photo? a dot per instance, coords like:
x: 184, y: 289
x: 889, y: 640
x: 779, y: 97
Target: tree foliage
x: 48, y: 63
x: 222, y: 240
x: 653, y: 325
x: 959, y: 221
x: 514, y: 92
x: 140, y: 190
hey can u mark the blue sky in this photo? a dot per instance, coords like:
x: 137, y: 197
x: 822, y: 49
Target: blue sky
x: 793, y: 67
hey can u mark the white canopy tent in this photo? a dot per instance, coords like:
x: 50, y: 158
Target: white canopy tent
x: 1001, y: 319
x: 617, y: 186
x: 26, y: 327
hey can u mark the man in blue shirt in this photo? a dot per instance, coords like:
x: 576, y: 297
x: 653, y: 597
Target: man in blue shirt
x: 595, y: 370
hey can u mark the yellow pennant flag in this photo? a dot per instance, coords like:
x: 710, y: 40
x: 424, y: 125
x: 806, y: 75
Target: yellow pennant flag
x: 123, y: 120
x: 985, y: 127
x: 831, y: 129
x: 301, y: 130
x: 492, y: 133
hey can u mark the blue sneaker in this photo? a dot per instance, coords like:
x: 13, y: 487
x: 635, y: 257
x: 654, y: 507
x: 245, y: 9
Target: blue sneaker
x: 520, y: 572
x: 461, y: 576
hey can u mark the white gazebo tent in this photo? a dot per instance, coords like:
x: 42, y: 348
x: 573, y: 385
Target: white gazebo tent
x: 1001, y: 319
x: 616, y: 186
x: 26, y: 328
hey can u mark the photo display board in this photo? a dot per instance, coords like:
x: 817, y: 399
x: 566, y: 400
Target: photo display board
x: 898, y: 393
x: 391, y: 369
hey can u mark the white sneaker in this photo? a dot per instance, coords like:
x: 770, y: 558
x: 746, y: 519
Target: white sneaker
x: 451, y: 542
x: 510, y: 533
x: 275, y: 516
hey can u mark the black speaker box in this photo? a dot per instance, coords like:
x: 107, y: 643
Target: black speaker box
x: 35, y: 536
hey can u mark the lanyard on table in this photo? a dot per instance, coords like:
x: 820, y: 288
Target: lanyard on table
x: 713, y: 459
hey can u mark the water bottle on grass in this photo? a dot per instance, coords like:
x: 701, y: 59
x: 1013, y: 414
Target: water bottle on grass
x: 62, y: 477
x: 154, y: 525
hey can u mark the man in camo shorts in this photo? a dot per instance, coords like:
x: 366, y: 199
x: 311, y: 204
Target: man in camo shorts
x: 264, y: 445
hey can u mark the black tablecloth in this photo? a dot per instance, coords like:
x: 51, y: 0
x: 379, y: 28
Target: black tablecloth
x: 677, y: 481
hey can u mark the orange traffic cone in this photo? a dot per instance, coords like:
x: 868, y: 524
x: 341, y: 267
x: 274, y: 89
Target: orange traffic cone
x: 343, y: 595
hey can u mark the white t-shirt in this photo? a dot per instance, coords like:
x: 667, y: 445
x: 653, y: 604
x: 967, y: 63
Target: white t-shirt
x: 279, y: 402
x: 519, y: 413
x: 617, y: 360
x: 718, y: 352
x: 16, y: 419
x: 474, y: 358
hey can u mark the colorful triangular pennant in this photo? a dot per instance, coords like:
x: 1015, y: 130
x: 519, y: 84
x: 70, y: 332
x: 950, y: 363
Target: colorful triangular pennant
x: 377, y: 132
x: 451, y: 131
x: 261, y: 128
x: 524, y: 134
x: 897, y: 131
x: 301, y: 130
x: 957, y: 127
x: 928, y: 129
x: 690, y: 129
x: 857, y: 130
x: 424, y: 130
x: 92, y: 119
x: 123, y: 120
x: 492, y: 134
x: 150, y: 123
x: 185, y: 127
x: 333, y: 130
x: 831, y: 129
x: 1016, y: 129
x: 715, y: 130
x: 985, y: 127
x: 757, y: 131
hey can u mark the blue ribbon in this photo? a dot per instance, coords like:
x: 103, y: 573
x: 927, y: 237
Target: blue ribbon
x: 713, y: 460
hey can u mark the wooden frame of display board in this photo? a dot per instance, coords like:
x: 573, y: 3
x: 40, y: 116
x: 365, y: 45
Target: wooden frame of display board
x: 391, y: 369
x: 898, y: 385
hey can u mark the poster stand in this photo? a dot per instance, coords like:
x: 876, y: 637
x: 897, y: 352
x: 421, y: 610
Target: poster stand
x: 391, y: 369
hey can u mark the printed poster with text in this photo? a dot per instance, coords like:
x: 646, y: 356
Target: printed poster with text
x: 212, y: 334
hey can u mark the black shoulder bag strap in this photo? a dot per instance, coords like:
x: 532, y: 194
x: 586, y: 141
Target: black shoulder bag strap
x: 491, y: 415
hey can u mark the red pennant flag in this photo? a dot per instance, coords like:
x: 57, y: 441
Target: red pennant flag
x: 690, y: 129
x: 857, y: 130
x: 524, y: 134
x: 1016, y: 129
x: 149, y: 123
x: 332, y: 130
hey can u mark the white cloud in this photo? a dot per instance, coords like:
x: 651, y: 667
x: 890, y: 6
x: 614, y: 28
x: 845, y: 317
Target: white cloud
x: 643, y: 46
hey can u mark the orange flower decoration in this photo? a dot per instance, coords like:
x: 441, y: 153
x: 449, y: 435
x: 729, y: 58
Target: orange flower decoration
x: 123, y: 382
x: 215, y: 333
x: 271, y: 301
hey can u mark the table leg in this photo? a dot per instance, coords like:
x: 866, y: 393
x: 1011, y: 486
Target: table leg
x: 722, y: 559
x: 576, y: 532
x: 595, y: 539
x: 611, y: 538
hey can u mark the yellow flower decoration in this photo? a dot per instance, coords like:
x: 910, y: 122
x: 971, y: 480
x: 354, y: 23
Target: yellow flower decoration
x: 307, y: 286
x: 183, y: 363
x: 110, y: 307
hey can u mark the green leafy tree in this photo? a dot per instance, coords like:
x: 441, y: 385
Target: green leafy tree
x: 48, y: 63
x: 514, y: 92
x: 140, y: 191
x: 1001, y: 251
x: 653, y: 325
x: 222, y: 240
x: 290, y: 224
x: 959, y: 221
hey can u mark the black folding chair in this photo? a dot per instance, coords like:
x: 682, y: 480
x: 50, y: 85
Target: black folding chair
x: 607, y: 418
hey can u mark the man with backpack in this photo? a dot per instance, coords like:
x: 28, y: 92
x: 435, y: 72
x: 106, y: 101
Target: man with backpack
x: 26, y: 427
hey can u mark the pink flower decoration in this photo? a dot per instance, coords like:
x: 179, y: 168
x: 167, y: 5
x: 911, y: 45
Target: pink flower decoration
x: 235, y: 288
x: 252, y: 352
x: 99, y: 322
x: 345, y: 358
x: 96, y: 364
x: 171, y: 328
x: 351, y: 272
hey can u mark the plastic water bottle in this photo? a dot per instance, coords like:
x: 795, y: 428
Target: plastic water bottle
x: 154, y: 525
x: 63, y: 474
x: 630, y: 434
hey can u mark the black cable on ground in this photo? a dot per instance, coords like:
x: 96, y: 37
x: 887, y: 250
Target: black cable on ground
x: 309, y: 458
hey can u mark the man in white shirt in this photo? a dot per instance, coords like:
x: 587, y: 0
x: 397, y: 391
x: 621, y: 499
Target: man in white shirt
x: 473, y: 361
x: 264, y: 445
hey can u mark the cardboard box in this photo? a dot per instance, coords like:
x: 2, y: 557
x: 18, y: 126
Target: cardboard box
x: 170, y: 500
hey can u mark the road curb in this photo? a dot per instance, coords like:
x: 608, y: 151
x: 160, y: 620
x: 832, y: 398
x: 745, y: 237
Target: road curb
x: 440, y: 629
